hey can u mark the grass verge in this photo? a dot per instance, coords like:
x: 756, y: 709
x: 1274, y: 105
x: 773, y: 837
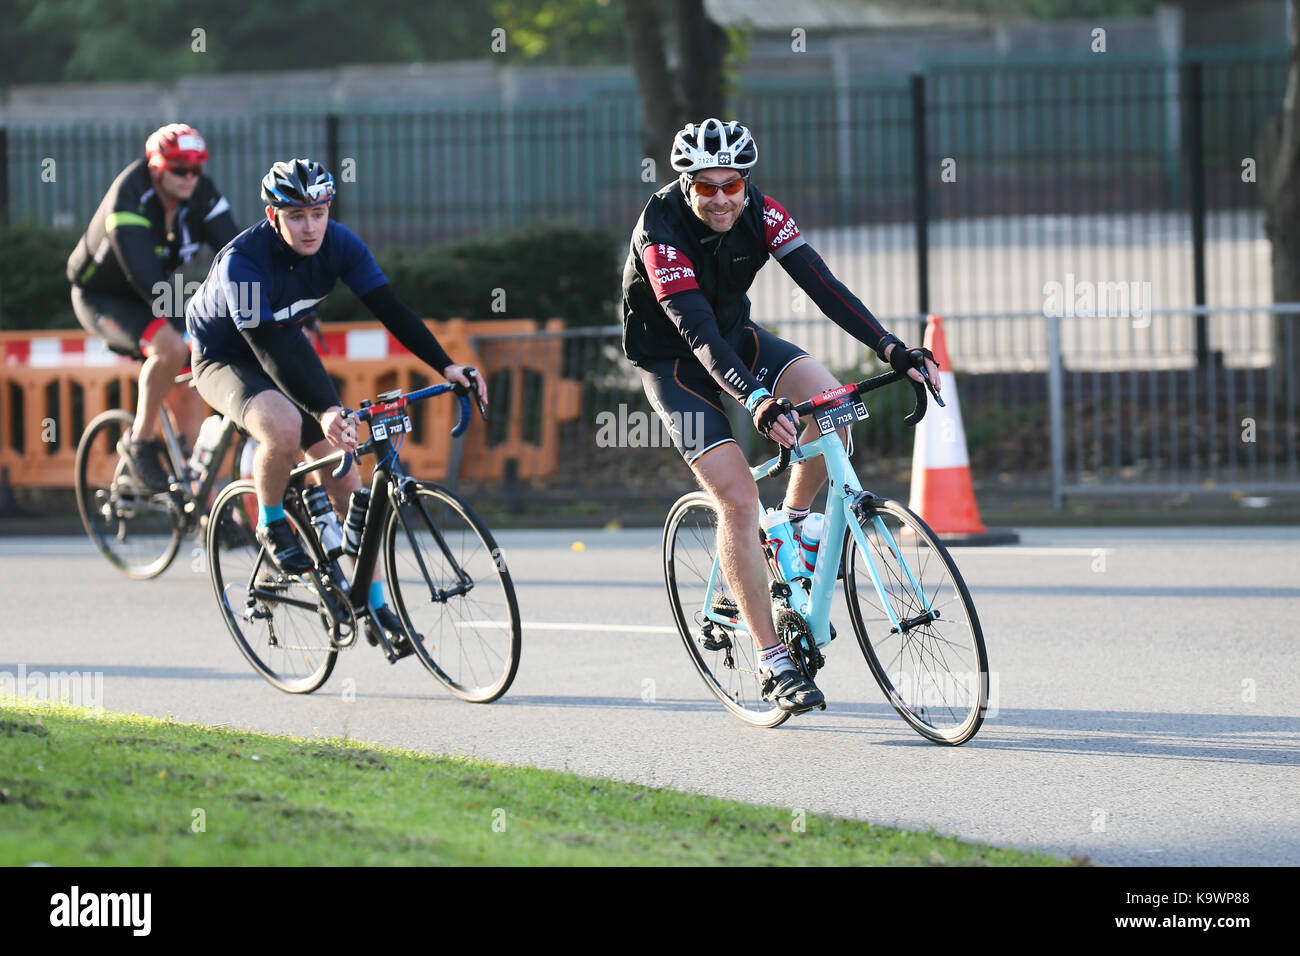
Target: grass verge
x: 80, y: 787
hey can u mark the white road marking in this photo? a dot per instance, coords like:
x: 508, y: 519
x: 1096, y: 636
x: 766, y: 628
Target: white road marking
x: 969, y: 550
x: 561, y: 626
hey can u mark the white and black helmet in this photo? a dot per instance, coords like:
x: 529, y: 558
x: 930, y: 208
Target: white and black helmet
x: 298, y: 182
x: 711, y: 144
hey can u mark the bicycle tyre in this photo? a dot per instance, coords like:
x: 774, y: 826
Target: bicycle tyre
x: 935, y: 674
x: 287, y: 643
x: 139, y: 533
x: 469, y: 642
x: 690, y: 546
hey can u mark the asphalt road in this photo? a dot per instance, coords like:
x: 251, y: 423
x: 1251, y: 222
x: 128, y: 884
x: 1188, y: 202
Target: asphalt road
x: 1147, y: 688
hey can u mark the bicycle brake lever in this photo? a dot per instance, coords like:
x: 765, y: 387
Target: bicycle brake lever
x: 795, y: 450
x: 929, y: 383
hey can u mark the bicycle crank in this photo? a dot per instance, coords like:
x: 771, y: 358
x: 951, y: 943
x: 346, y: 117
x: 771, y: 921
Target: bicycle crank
x: 797, y: 635
x: 335, y: 610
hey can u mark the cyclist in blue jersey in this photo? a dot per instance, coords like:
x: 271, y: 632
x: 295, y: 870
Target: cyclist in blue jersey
x: 252, y: 361
x: 694, y: 253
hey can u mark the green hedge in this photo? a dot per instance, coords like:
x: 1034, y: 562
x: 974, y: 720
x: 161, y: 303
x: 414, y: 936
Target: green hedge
x: 542, y: 271
x: 33, y: 280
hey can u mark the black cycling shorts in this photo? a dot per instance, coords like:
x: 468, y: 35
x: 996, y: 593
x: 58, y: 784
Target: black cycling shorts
x: 125, y: 324
x: 229, y: 386
x: 690, y: 402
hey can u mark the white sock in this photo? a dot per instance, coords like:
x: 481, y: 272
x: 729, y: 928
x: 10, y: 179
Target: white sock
x: 777, y: 658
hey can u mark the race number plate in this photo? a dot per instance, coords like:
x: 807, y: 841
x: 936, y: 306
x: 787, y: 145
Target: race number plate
x: 837, y: 416
x: 390, y: 426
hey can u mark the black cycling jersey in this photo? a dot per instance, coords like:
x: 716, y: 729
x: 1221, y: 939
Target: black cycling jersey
x: 126, y: 250
x: 685, y: 286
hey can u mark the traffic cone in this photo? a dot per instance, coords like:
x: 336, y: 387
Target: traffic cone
x: 942, y: 493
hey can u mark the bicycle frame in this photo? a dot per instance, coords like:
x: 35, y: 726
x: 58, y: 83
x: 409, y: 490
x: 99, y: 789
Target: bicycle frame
x: 842, y: 497
x: 388, y: 476
x: 193, y: 489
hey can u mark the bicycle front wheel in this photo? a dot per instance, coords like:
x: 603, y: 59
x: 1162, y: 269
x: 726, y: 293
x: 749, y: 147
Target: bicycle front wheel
x: 922, y: 638
x: 138, y: 532
x: 726, y: 659
x: 278, y: 622
x: 453, y: 593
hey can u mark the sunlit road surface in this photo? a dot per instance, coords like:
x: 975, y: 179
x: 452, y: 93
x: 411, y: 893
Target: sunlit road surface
x: 1147, y: 688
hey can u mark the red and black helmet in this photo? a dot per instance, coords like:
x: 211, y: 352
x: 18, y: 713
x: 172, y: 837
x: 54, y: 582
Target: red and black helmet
x: 175, y: 143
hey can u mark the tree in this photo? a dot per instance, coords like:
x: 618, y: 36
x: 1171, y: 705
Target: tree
x: 672, y: 98
x: 1279, y: 176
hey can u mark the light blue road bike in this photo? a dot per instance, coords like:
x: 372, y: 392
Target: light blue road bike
x: 907, y: 602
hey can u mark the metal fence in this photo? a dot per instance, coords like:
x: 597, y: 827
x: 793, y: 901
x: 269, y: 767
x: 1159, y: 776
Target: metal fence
x: 1120, y: 196
x: 963, y: 190
x: 1126, y: 411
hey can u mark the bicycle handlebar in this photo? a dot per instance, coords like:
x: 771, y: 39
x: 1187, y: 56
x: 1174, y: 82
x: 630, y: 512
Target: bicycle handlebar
x: 853, y: 391
x: 462, y: 419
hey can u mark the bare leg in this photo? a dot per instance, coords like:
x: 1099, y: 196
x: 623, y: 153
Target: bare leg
x: 276, y: 423
x: 724, y: 473
x: 168, y: 355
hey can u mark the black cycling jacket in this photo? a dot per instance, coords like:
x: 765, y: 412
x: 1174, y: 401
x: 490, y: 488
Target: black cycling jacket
x: 127, y: 251
x: 685, y: 286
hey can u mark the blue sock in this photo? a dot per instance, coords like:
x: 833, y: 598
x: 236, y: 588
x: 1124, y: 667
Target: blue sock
x: 377, y: 599
x: 268, y: 513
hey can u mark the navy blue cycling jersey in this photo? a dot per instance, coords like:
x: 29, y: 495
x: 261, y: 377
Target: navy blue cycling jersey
x: 259, y: 292
x: 257, y: 278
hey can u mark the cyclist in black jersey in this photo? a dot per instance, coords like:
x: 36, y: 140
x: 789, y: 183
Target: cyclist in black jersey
x: 157, y: 214
x: 694, y: 253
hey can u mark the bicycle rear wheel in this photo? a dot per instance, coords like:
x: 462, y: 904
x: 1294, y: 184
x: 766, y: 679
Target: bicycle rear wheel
x: 138, y: 532
x: 932, y: 667
x: 468, y: 626
x: 278, y: 622
x: 725, y: 659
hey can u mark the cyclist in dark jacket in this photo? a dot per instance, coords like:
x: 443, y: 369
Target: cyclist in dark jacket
x: 157, y: 214
x: 694, y: 254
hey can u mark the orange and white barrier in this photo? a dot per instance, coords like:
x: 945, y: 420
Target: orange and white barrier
x: 53, y: 382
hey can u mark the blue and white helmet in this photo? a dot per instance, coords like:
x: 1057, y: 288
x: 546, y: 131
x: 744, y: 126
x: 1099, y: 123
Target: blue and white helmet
x: 712, y: 144
x: 297, y: 182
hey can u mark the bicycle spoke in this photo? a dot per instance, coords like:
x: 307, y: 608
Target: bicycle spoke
x: 934, y: 672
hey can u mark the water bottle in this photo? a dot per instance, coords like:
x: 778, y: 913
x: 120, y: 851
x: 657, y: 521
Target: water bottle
x: 779, y: 536
x: 323, y: 519
x: 205, y: 444
x: 356, y: 522
x: 810, y: 539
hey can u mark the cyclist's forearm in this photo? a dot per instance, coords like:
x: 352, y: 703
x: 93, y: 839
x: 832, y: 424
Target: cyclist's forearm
x: 830, y: 295
x: 402, y: 321
x: 691, y: 313
x: 293, y: 365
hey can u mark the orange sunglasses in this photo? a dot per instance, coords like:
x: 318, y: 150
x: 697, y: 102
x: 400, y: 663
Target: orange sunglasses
x: 729, y: 188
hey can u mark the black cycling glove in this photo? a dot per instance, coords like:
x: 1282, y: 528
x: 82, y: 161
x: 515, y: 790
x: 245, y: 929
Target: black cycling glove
x: 902, y: 359
x: 768, y: 411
